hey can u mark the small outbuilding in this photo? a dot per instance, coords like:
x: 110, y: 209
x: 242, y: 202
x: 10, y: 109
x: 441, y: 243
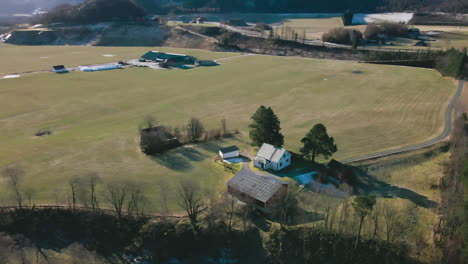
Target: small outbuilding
x: 229, y: 152
x: 59, y: 69
x: 172, y: 59
x: 198, y: 20
x: 270, y: 157
x: 261, y: 191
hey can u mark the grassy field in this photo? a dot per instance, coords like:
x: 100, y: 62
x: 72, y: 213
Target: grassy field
x: 18, y: 59
x: 95, y: 116
x: 314, y: 28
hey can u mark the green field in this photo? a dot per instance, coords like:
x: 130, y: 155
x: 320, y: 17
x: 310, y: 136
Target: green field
x: 18, y: 59
x: 95, y: 116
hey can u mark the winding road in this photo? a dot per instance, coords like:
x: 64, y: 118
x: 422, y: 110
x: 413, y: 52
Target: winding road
x: 441, y: 137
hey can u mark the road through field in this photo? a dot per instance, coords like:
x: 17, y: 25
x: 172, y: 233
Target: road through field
x: 444, y: 135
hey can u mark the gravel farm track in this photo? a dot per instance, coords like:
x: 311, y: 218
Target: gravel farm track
x: 447, y: 131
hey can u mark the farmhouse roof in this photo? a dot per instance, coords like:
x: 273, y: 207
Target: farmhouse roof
x: 334, y: 164
x: 229, y: 149
x: 270, y: 152
x: 261, y: 188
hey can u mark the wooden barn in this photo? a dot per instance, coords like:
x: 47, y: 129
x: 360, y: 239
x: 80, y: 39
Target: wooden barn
x: 261, y: 191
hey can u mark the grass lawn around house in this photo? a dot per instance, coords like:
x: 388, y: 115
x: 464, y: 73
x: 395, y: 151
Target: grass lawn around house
x: 94, y: 116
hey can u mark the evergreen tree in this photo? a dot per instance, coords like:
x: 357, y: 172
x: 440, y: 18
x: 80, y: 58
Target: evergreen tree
x: 265, y: 128
x: 318, y: 142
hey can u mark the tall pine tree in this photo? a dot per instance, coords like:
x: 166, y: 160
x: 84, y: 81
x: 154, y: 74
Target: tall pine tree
x: 265, y: 128
x: 318, y: 142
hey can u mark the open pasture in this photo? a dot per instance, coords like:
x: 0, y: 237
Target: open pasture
x: 94, y: 116
x: 19, y: 59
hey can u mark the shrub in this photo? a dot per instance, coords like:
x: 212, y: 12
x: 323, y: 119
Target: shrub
x: 395, y: 29
x: 372, y: 30
x: 157, y: 140
x: 43, y: 132
x: 391, y: 29
x: 261, y: 26
x: 451, y: 63
x: 342, y: 36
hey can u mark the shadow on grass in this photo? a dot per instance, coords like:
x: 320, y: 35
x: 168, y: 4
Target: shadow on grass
x: 298, y: 166
x: 368, y: 184
x: 179, y: 159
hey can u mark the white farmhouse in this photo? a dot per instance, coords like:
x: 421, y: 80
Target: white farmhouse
x: 270, y: 157
x: 229, y: 152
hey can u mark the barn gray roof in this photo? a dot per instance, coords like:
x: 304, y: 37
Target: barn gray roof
x: 261, y: 188
x: 270, y: 152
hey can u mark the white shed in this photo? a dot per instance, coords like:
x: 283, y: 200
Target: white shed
x: 229, y: 152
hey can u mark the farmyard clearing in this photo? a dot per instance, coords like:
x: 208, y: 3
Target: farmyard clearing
x: 94, y: 116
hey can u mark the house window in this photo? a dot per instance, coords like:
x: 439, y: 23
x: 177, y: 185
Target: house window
x: 287, y: 160
x: 281, y: 164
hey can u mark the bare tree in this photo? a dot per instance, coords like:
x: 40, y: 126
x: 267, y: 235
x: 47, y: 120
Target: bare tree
x: 230, y: 210
x: 137, y: 201
x: 117, y: 193
x: 195, y: 129
x: 14, y: 175
x: 93, y: 181
x: 28, y: 194
x: 163, y: 187
x: 149, y: 122
x: 191, y: 200
x: 375, y: 217
x: 245, y: 213
x: 215, y: 210
x: 73, y: 183
x: 390, y: 216
x: 223, y: 127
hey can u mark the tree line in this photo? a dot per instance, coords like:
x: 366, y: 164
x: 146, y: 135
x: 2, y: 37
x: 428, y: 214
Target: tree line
x: 216, y: 226
x: 298, y: 6
x: 156, y: 139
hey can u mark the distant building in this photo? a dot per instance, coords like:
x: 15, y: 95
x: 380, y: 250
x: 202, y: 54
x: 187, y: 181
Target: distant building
x: 154, y: 19
x: 229, y: 152
x: 270, y: 157
x: 198, y: 20
x: 262, y: 191
x: 59, y: 69
x: 422, y: 43
x: 236, y: 22
x: 414, y: 32
x: 171, y: 59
